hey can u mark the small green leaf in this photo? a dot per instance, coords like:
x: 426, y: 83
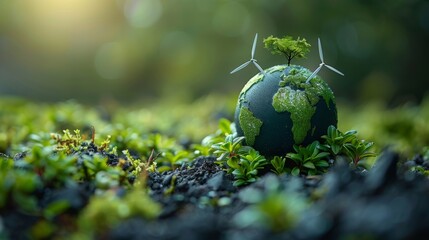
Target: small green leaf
x: 163, y: 168
x: 335, y: 149
x: 295, y: 171
x: 350, y: 132
x: 238, y: 173
x: 250, y: 180
x: 322, y: 155
x: 239, y: 182
x: 232, y: 163
x: 253, y: 172
x: 322, y: 163
x: 366, y: 155
x: 309, y: 165
x: 56, y: 208
x: 294, y: 156
x: 224, y: 126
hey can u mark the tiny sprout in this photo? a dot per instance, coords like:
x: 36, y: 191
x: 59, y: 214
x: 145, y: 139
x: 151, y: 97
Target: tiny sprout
x: 288, y: 47
x: 92, y: 134
x: 322, y: 64
x: 252, y: 59
x: 152, y: 157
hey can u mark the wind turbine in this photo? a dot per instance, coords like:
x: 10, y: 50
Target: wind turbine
x: 252, y: 59
x: 322, y: 64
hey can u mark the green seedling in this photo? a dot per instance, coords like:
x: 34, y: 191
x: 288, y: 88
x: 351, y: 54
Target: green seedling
x: 107, y: 210
x: 347, y: 144
x: 68, y: 142
x: 278, y: 164
x: 173, y: 159
x: 161, y: 143
x: 170, y: 190
x: 335, y: 139
x: 105, y: 144
x: 91, y: 165
x: 274, y: 209
x: 309, y: 160
x: 358, y: 150
x: 242, y: 161
x: 55, y: 169
x: 141, y: 165
x: 246, y: 170
x: 225, y: 128
x: 18, y: 187
x: 229, y: 151
x: 426, y: 153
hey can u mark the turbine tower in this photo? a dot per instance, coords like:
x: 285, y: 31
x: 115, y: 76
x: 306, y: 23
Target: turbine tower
x: 322, y: 64
x: 252, y: 59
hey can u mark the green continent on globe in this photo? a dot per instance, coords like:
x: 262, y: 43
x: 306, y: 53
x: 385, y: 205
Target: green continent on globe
x: 299, y: 99
x: 255, y: 79
x: 301, y: 111
x: 250, y: 125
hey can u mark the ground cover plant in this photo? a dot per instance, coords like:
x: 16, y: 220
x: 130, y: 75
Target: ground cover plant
x: 68, y: 171
x: 85, y: 184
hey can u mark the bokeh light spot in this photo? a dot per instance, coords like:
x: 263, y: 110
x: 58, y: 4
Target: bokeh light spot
x: 143, y: 14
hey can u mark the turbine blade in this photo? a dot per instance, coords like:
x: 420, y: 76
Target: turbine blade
x: 254, y: 45
x: 314, y: 73
x: 258, y: 67
x: 320, y: 50
x: 240, y: 67
x: 335, y: 70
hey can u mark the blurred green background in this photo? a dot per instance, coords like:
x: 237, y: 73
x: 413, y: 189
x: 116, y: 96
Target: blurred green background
x: 134, y: 50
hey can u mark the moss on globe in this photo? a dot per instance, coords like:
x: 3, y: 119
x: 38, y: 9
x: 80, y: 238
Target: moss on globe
x: 278, y: 109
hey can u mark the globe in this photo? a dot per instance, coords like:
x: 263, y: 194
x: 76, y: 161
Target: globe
x: 279, y: 108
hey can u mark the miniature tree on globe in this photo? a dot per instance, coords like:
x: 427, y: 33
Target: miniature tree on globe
x: 288, y: 47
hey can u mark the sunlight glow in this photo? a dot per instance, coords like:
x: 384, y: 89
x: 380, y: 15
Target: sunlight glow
x: 54, y: 26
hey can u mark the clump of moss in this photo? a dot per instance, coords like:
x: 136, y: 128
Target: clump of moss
x: 106, y: 211
x: 76, y: 183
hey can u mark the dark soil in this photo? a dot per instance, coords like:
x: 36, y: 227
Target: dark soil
x: 383, y: 203
x: 200, y: 202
